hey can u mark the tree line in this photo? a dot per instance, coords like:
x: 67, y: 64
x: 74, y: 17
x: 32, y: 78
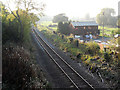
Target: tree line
x: 105, y: 17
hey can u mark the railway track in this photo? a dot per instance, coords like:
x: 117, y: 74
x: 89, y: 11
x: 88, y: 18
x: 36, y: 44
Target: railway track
x: 74, y: 77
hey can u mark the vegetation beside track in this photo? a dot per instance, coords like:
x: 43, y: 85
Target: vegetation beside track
x: 107, y: 63
x: 20, y: 70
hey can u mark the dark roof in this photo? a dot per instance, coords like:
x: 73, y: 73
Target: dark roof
x: 90, y: 23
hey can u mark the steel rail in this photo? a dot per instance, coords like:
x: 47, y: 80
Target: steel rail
x: 58, y: 64
x: 65, y: 63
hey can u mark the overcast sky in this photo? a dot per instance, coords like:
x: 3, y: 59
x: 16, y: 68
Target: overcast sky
x: 77, y: 8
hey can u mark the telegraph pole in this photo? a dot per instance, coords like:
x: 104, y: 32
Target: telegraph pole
x: 103, y: 28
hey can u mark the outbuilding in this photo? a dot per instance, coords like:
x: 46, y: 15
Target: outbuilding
x: 85, y: 28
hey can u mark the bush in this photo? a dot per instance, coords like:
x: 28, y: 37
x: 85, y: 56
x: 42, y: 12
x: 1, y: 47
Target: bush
x: 18, y: 70
x: 107, y: 57
x: 93, y: 68
x: 76, y: 43
x: 93, y: 48
x: 79, y: 55
x: 70, y: 40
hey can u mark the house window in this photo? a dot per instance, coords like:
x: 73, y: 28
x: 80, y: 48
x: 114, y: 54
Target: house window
x: 81, y: 27
x: 84, y: 27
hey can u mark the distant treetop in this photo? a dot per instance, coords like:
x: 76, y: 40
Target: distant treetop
x: 60, y: 18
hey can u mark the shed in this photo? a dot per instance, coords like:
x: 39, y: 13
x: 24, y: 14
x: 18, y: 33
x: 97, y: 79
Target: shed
x: 85, y: 28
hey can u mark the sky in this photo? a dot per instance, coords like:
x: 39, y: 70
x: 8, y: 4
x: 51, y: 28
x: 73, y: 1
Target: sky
x: 77, y: 8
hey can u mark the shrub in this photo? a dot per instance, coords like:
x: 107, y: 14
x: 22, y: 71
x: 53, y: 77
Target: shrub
x: 93, y: 68
x: 79, y: 55
x: 107, y: 57
x: 93, y: 48
x: 70, y: 40
x: 19, y: 72
x: 76, y: 43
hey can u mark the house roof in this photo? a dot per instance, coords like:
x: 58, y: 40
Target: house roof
x: 91, y: 23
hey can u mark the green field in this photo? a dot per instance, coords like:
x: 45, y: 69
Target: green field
x: 107, y: 30
x: 54, y: 28
x: 47, y: 23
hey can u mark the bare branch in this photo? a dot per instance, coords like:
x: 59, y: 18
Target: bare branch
x: 12, y: 12
x: 17, y: 14
x: 29, y: 3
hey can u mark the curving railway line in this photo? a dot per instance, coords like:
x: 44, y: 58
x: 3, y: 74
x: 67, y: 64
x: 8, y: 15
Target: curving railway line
x: 74, y: 77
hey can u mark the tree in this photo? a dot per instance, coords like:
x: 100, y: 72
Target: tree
x: 60, y: 27
x: 106, y: 17
x: 60, y: 18
x: 64, y: 28
x: 17, y: 23
x: 118, y: 22
x: 6, y: 23
x: 27, y: 6
x: 34, y: 18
